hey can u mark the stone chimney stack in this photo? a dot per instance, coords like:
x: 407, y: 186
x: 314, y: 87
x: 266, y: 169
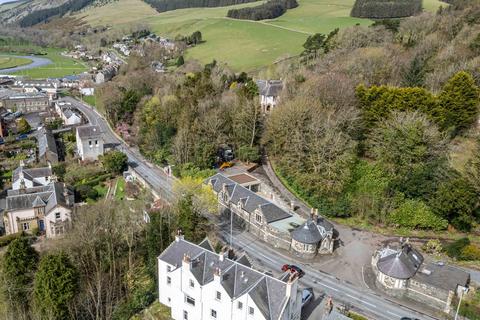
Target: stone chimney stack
x: 217, y: 274
x: 179, y: 235
x: 186, y: 261
x: 312, y: 213
x: 291, y: 284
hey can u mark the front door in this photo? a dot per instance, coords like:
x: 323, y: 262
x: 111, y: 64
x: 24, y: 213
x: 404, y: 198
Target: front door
x: 41, y: 225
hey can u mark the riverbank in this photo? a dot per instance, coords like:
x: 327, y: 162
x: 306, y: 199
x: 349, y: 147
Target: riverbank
x: 8, y: 62
x: 51, y: 64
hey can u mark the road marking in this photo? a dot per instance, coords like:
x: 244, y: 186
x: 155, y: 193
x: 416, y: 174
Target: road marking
x: 367, y: 303
x: 394, y: 314
x: 322, y: 284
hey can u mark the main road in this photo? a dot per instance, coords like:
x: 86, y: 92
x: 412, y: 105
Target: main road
x: 364, y: 300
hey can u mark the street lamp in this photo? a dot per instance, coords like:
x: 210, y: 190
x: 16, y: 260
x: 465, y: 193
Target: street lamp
x: 460, y: 302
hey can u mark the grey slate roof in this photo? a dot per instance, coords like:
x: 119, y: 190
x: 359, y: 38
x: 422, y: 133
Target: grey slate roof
x: 307, y: 233
x: 52, y: 195
x: 89, y: 131
x: 402, y: 263
x: 444, y: 277
x: 31, y: 174
x: 46, y: 142
x: 237, y: 279
x: 250, y: 200
x: 269, y: 88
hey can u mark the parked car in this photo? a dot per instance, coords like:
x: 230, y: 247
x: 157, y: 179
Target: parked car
x: 307, y: 296
x: 22, y: 136
x: 2, y: 141
x: 293, y: 269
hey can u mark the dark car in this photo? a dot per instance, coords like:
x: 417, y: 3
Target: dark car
x: 23, y: 136
x: 293, y: 269
x: 307, y: 296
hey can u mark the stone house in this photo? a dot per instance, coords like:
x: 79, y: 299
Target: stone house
x: 33, y: 177
x: 47, y: 147
x: 46, y: 208
x: 199, y: 284
x: 23, y: 102
x: 89, y: 142
x: 269, y: 92
x: 69, y: 114
x: 404, y: 272
x: 272, y: 223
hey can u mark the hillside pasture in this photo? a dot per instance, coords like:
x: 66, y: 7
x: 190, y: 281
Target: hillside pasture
x: 243, y: 45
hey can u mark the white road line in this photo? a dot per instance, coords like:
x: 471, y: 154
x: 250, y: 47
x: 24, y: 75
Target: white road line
x: 327, y: 286
x: 393, y: 314
x: 367, y: 303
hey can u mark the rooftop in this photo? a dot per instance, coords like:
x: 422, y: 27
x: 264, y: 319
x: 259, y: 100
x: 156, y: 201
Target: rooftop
x: 244, y: 178
x: 236, y: 278
x: 250, y: 200
x: 89, y: 131
x: 52, y: 195
x: 402, y: 263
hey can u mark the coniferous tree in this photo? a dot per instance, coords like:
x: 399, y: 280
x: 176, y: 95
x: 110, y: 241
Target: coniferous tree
x: 56, y: 285
x: 19, y: 266
x: 458, y: 102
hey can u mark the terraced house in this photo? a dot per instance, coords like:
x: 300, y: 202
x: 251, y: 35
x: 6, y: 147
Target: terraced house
x: 273, y: 224
x: 197, y: 283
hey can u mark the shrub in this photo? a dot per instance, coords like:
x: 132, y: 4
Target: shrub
x: 5, y: 240
x: 416, y: 214
x: 470, y: 252
x: 433, y: 246
x: 85, y: 192
x: 454, y: 250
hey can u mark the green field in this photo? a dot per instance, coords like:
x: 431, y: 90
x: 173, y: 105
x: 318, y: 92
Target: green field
x: 243, y: 45
x: 61, y: 66
x: 12, y: 62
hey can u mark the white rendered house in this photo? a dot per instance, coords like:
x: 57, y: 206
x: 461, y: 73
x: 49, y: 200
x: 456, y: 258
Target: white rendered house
x: 199, y: 284
x: 30, y: 178
x: 89, y: 142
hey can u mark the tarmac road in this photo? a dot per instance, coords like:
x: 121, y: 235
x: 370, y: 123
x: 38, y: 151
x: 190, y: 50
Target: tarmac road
x: 373, y: 305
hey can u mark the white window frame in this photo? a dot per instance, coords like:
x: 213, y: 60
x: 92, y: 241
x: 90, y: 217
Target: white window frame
x: 251, y: 311
x: 192, y: 300
x: 218, y: 296
x: 191, y: 283
x: 213, y: 314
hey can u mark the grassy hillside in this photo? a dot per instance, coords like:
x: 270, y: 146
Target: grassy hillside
x: 244, y: 45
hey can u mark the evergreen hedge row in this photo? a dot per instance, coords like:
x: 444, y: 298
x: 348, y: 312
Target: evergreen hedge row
x: 168, y: 5
x: 385, y: 9
x: 270, y: 10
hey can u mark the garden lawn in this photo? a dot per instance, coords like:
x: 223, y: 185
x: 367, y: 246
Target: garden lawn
x: 120, y: 189
x: 12, y: 62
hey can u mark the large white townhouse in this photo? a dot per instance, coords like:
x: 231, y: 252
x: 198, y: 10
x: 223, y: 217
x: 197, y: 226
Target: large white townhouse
x: 199, y: 284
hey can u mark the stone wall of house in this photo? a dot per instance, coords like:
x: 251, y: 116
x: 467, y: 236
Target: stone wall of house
x: 427, y: 294
x: 304, y: 251
x: 265, y: 232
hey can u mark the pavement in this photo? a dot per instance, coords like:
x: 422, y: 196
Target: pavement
x: 356, y: 297
x: 155, y: 177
